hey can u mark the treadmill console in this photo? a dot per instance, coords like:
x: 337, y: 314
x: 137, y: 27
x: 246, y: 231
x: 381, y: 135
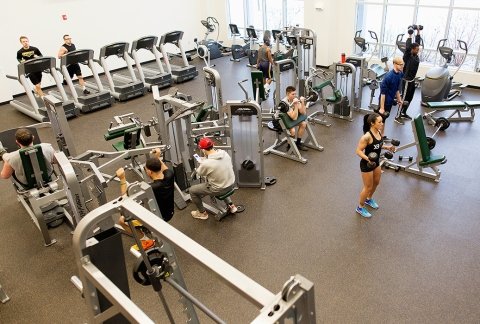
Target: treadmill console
x: 147, y: 42
x: 172, y: 37
x: 117, y: 49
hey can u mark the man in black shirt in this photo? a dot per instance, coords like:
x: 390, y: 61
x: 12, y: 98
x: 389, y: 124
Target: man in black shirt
x: 26, y: 53
x: 163, y: 187
x: 412, y: 61
x: 73, y: 69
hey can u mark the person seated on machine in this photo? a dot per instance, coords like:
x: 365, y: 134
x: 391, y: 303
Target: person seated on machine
x: 265, y: 62
x: 26, y: 53
x: 296, y: 108
x: 163, y: 189
x: 12, y: 162
x: 216, y: 166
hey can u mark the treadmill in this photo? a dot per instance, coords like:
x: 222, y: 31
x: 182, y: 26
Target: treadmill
x: 35, y: 108
x: 150, y: 73
x: 120, y: 90
x: 179, y: 73
x: 86, y: 103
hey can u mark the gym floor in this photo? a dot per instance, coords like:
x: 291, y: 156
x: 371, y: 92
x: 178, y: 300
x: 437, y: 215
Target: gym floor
x: 416, y: 260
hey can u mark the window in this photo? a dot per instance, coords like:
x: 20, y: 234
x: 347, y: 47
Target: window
x: 255, y: 14
x: 442, y: 19
x: 274, y: 15
x: 294, y: 12
x: 237, y: 15
x: 265, y: 14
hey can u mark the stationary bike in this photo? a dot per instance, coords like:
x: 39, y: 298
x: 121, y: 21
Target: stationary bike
x: 238, y: 51
x: 214, y: 47
x: 438, y: 84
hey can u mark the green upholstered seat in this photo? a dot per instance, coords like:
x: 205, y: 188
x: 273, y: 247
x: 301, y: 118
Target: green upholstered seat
x: 225, y: 195
x: 289, y: 123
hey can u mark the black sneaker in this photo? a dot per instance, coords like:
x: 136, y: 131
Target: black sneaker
x: 405, y: 116
x: 399, y: 121
x: 86, y: 92
x: 302, y: 147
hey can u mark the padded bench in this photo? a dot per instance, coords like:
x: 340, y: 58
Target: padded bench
x: 458, y: 108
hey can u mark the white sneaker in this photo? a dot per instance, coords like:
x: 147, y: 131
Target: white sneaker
x: 198, y: 215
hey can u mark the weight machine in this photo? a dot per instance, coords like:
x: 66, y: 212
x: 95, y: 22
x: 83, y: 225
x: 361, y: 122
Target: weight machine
x: 107, y: 294
x: 42, y: 196
x: 304, y: 41
x: 332, y: 92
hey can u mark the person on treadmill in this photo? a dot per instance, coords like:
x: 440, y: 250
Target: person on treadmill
x: 27, y: 53
x: 265, y: 62
x: 73, y: 69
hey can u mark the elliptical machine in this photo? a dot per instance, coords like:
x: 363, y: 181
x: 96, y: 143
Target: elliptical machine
x: 438, y: 84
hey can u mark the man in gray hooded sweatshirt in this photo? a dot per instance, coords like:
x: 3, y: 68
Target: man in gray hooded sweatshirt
x: 217, y: 168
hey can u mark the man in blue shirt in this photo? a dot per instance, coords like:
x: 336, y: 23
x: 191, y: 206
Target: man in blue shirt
x: 390, y: 90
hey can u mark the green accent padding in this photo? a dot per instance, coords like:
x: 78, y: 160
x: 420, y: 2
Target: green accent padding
x: 225, y: 195
x: 379, y: 71
x: 120, y: 146
x: 322, y: 85
x: 427, y: 159
x: 473, y: 104
x: 257, y: 78
x: 289, y: 123
x: 446, y: 104
x: 337, y: 96
x: 116, y: 134
x: 202, y: 115
x: 28, y: 167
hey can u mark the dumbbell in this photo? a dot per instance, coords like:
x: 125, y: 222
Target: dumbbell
x: 388, y: 155
x: 409, y: 158
x: 371, y: 160
x: 395, y: 142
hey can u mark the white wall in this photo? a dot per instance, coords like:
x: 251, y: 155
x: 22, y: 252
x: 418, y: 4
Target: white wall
x: 334, y: 26
x: 93, y: 24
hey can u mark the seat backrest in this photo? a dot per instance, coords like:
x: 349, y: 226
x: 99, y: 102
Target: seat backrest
x: 203, y: 113
x: 34, y: 166
x: 130, y: 135
x: 421, y: 137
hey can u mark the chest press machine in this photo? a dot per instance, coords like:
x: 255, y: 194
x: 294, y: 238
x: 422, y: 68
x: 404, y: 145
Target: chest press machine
x: 107, y: 293
x: 43, y: 196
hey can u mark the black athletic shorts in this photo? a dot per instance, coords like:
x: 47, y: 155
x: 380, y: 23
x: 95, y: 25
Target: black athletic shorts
x: 266, y: 69
x: 35, y: 77
x: 74, y: 69
x: 387, y: 108
x: 365, y: 168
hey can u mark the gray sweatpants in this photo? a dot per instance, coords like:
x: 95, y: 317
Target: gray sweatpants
x: 198, y: 191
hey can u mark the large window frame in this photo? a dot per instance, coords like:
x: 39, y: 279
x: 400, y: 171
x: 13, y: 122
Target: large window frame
x: 430, y: 50
x: 248, y: 20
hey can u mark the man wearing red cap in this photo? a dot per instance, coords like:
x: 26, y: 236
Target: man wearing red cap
x: 216, y: 167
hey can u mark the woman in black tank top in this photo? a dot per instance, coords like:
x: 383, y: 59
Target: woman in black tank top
x: 370, y: 142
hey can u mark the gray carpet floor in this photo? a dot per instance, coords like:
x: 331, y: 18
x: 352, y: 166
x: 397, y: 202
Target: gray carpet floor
x: 417, y: 260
